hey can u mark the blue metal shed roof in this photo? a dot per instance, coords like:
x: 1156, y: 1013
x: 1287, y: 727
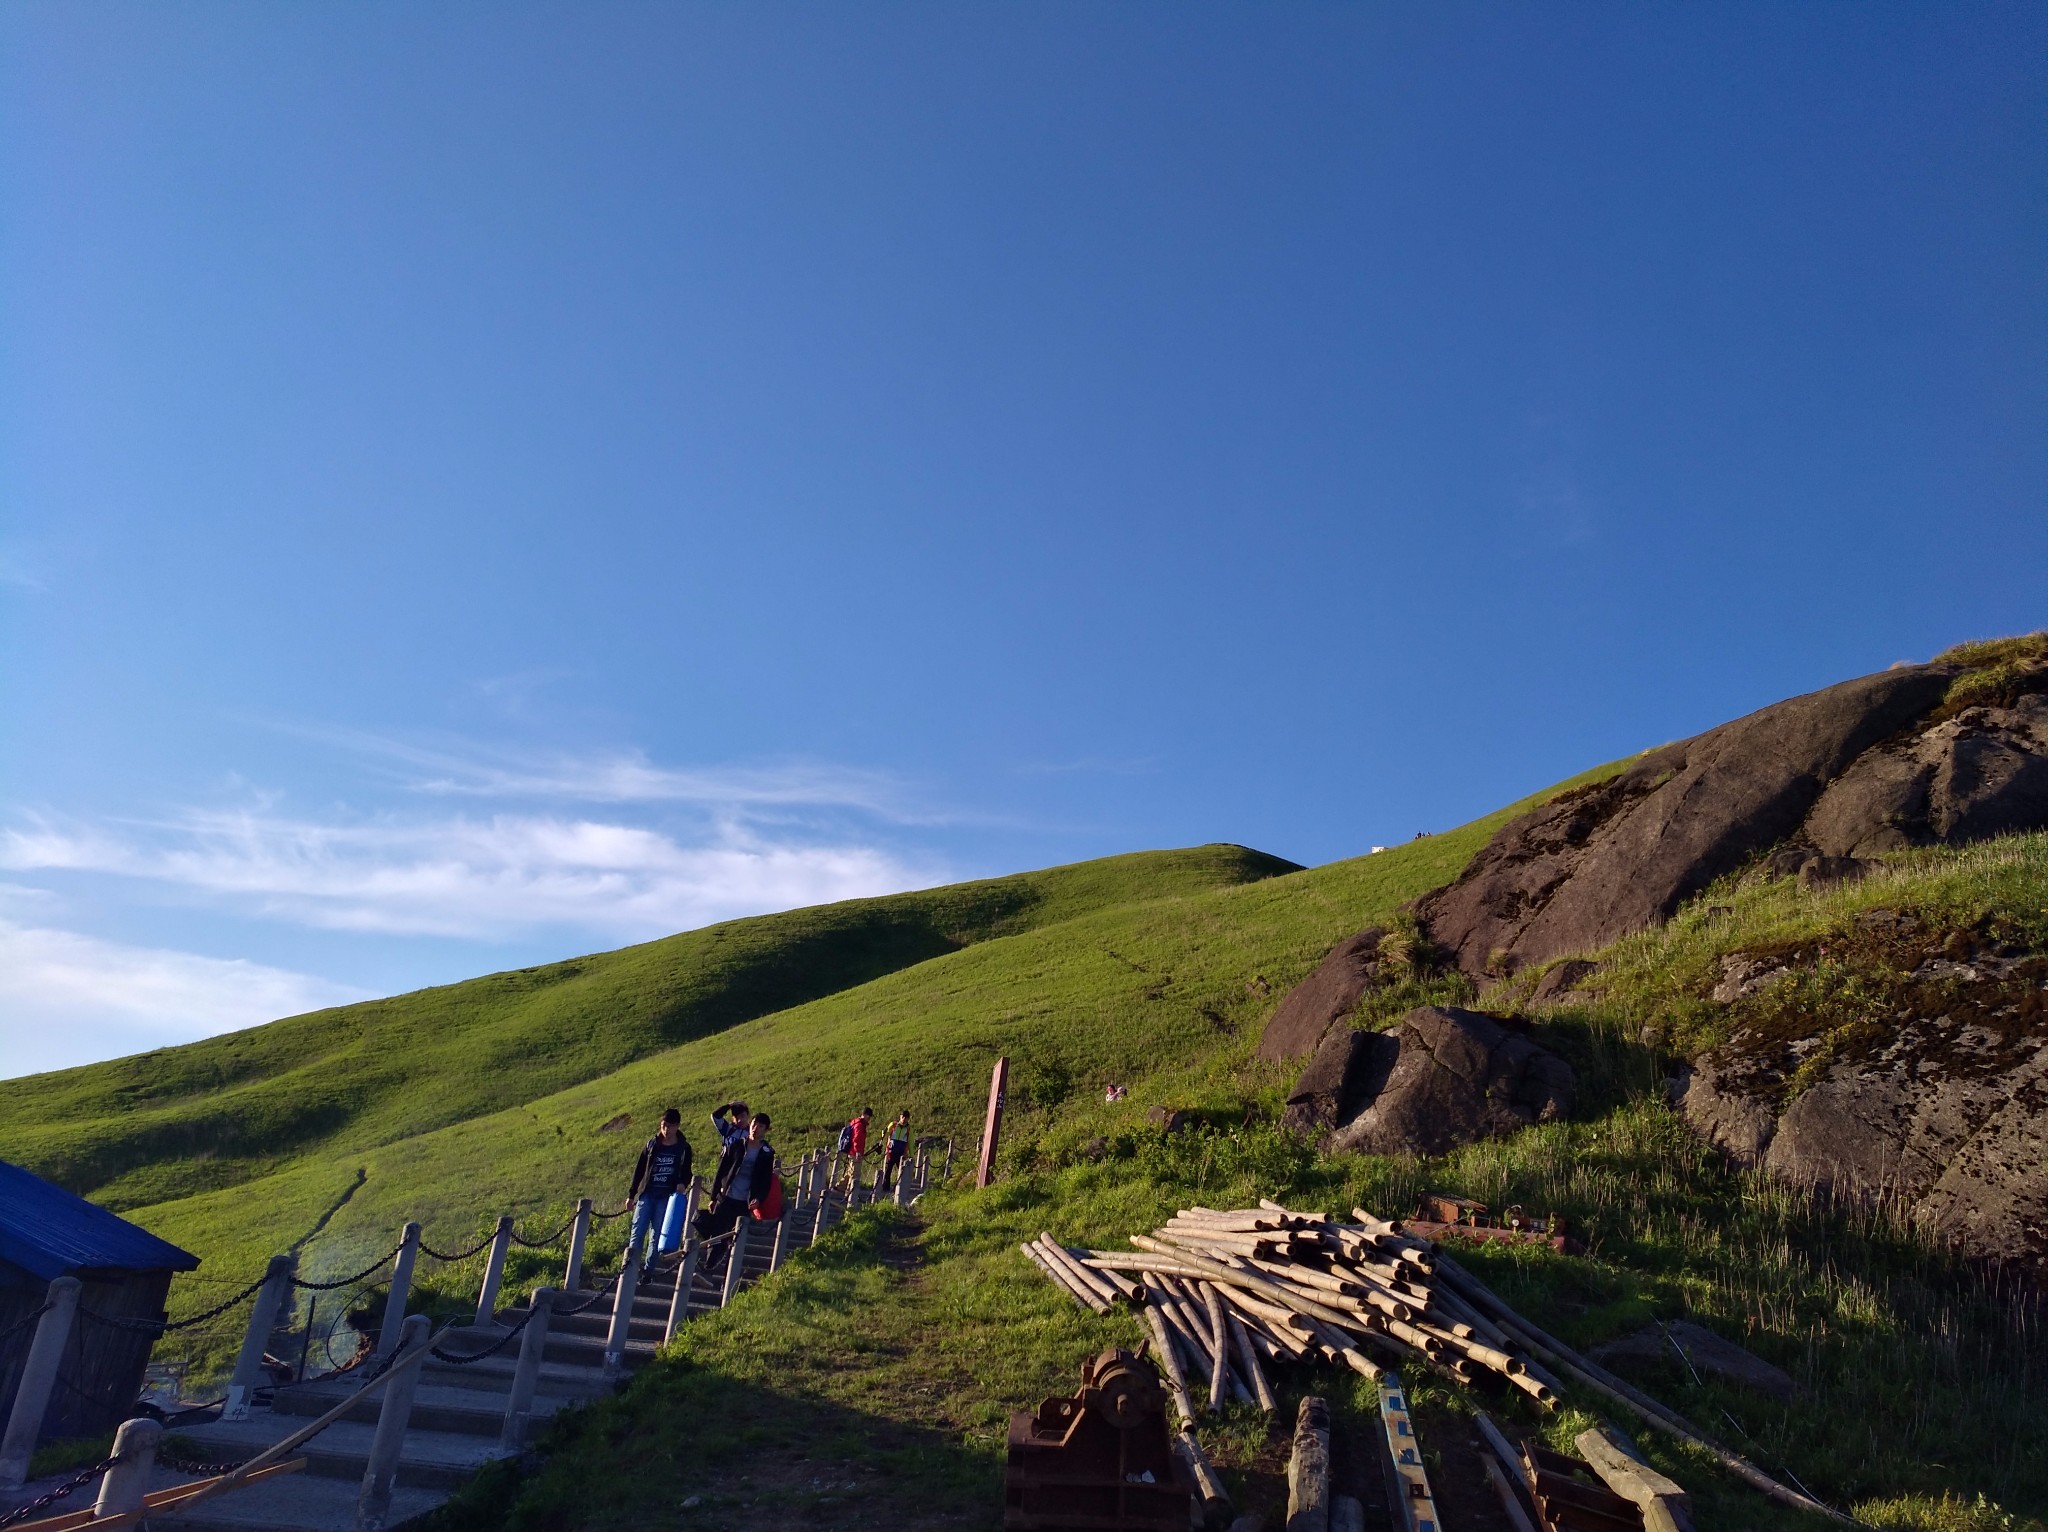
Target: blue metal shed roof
x: 48, y: 1231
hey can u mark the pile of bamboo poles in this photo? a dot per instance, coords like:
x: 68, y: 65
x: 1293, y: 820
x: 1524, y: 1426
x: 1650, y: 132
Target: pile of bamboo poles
x: 1228, y: 1294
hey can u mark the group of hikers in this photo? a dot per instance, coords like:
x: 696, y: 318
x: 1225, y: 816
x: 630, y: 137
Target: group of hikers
x: 746, y: 1184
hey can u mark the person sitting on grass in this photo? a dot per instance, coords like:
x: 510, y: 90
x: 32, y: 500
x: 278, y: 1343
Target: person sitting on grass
x: 745, y: 1171
x: 664, y: 1167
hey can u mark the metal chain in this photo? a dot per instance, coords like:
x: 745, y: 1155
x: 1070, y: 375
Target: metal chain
x: 610, y: 1282
x: 165, y: 1327
x: 546, y: 1241
x: 43, y: 1501
x: 621, y: 1213
x: 328, y: 1287
x: 24, y: 1322
x: 502, y: 1342
x: 177, y: 1464
x: 427, y: 1249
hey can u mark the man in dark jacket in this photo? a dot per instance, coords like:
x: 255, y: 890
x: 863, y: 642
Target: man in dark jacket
x: 744, y: 1173
x: 664, y: 1168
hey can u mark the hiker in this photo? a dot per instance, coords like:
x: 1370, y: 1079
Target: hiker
x: 899, y: 1143
x: 853, y: 1142
x: 731, y: 1121
x: 745, y: 1172
x: 663, y: 1169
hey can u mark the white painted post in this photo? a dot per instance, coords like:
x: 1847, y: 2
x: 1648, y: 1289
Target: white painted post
x: 401, y: 1289
x: 579, y: 1235
x: 780, y: 1249
x: 947, y: 1173
x: 249, y: 1374
x: 824, y: 1206
x: 691, y: 1200
x: 735, y: 1262
x: 853, y: 1184
x: 622, y: 1315
x: 127, y: 1482
x: 686, y: 1281
x: 903, y: 1182
x: 394, y: 1410
x: 38, y: 1377
x: 533, y: 1344
x: 494, y: 1273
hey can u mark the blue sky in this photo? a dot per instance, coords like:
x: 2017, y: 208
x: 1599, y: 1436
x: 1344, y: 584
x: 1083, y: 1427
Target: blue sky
x: 480, y: 483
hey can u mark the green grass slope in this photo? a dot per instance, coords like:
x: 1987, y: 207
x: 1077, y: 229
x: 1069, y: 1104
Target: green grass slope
x: 233, y: 1108
x: 870, y: 1383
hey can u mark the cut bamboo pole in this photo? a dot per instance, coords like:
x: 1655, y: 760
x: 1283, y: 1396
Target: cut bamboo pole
x: 1219, y: 1339
x: 1247, y: 1358
x: 1060, y: 1279
x: 1056, y: 1253
x: 1176, y: 1380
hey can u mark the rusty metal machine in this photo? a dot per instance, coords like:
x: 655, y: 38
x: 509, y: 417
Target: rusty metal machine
x: 1100, y: 1459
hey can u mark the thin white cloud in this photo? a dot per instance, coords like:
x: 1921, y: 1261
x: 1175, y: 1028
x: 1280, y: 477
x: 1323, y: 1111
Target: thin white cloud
x: 463, y: 769
x: 70, y: 999
x: 472, y: 877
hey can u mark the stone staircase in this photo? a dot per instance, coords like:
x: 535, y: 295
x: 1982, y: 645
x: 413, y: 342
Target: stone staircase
x: 456, y: 1421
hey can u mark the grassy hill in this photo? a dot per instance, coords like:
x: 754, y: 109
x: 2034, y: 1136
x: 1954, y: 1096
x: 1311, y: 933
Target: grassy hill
x: 871, y: 1381
x: 231, y: 1109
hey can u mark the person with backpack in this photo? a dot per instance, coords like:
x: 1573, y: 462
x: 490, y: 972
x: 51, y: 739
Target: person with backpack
x: 853, y: 1143
x: 744, y: 1186
x: 663, y: 1168
x: 899, y: 1144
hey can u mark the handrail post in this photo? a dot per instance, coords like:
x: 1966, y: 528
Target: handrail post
x: 622, y: 1314
x: 394, y: 1410
x: 823, y: 1207
x: 401, y: 1289
x: 903, y: 1178
x: 533, y: 1345
x: 494, y: 1272
x: 38, y: 1377
x: 686, y: 1280
x: 947, y: 1173
x: 270, y: 1297
x: 780, y: 1250
x: 735, y: 1262
x: 579, y: 1235
x: 127, y: 1482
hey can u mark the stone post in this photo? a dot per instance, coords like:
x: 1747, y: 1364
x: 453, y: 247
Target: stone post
x: 686, y: 1281
x: 394, y: 1411
x: 780, y: 1250
x: 494, y: 1273
x: 579, y: 1236
x: 270, y: 1300
x: 127, y: 1482
x: 622, y: 1315
x: 533, y: 1345
x: 401, y: 1289
x: 38, y: 1377
x: 735, y: 1262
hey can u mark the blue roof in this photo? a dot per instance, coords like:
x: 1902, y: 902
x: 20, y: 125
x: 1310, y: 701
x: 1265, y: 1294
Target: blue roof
x: 49, y: 1232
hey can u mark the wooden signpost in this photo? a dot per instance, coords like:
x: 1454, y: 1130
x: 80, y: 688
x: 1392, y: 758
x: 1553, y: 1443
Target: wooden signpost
x: 993, y: 1124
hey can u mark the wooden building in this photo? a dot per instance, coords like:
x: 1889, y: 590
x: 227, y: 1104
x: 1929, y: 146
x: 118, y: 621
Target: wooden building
x: 47, y: 1232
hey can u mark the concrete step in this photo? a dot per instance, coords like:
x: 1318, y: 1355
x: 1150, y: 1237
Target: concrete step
x: 493, y: 1376
x: 431, y: 1459
x: 435, y: 1406
x: 573, y: 1349
x: 298, y: 1502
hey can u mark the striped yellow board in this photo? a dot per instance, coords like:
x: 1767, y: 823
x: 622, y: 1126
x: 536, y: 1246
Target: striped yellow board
x: 1408, y: 1487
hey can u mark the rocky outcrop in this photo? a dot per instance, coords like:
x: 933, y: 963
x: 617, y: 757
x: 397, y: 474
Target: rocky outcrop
x: 1302, y: 1020
x: 1349, y: 1067
x: 1702, y: 1350
x: 1982, y: 773
x: 1622, y: 855
x: 1940, y: 1108
x: 1444, y: 1077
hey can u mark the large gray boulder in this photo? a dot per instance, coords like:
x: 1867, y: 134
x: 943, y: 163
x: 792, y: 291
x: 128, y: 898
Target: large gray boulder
x: 1942, y: 1114
x: 1622, y: 855
x: 1304, y: 1018
x: 1446, y: 1077
x: 1982, y: 773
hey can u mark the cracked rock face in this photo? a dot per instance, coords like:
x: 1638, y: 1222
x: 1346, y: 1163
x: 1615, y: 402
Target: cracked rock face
x: 1622, y: 855
x: 1323, y: 999
x: 1936, y: 1101
x: 1444, y: 1077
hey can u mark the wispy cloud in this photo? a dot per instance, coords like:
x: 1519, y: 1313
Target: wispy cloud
x: 484, y: 877
x: 69, y: 999
x: 626, y: 776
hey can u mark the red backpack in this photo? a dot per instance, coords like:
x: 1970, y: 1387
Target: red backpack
x: 771, y: 1205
